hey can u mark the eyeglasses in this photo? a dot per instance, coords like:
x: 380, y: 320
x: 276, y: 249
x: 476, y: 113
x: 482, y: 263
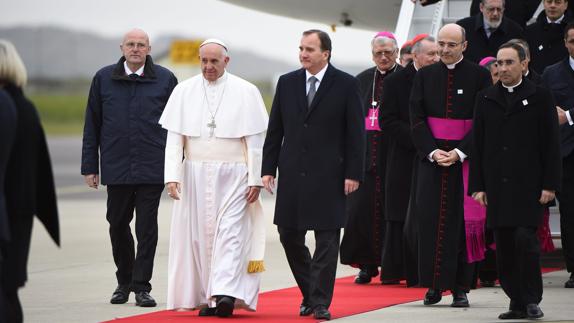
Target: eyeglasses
x: 132, y: 45
x: 493, y: 9
x: 386, y: 53
x: 450, y: 45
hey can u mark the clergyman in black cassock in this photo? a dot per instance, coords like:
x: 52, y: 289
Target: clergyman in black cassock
x: 318, y: 148
x: 364, y: 232
x: 399, y: 249
x: 441, y: 109
x: 516, y: 180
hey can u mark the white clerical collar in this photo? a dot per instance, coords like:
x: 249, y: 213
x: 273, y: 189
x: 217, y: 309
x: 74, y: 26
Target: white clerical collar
x: 527, y: 72
x: 557, y: 21
x: 453, y: 65
x: 571, y: 60
x: 385, y: 72
x: 511, y: 88
x: 219, y: 81
x: 139, y: 72
x: 415, y: 66
x: 319, y: 75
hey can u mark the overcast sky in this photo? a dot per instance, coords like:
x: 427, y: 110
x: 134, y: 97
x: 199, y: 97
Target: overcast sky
x: 270, y: 35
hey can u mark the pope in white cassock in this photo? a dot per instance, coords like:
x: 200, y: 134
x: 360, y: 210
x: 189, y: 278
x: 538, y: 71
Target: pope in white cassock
x: 216, y: 126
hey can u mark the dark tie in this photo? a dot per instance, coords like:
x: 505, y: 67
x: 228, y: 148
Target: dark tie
x: 491, y: 31
x: 133, y: 76
x: 312, y: 90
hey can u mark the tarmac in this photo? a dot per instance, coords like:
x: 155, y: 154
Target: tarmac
x: 74, y: 283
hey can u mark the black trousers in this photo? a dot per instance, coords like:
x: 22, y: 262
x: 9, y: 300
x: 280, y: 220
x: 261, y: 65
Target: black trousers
x: 315, y: 275
x: 133, y: 269
x: 518, y: 260
x: 10, y: 307
x: 566, y: 206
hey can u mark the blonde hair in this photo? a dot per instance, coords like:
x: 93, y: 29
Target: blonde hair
x: 12, y: 69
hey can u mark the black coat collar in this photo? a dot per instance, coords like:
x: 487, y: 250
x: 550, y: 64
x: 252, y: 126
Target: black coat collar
x: 119, y: 72
x: 523, y: 91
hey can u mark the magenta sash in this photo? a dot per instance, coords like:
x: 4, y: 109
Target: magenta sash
x: 474, y: 214
x: 449, y: 129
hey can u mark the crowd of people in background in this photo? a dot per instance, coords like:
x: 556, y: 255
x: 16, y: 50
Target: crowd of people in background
x: 440, y: 162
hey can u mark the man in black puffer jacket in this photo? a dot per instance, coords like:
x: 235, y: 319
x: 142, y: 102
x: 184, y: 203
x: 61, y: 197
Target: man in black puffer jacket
x: 122, y: 134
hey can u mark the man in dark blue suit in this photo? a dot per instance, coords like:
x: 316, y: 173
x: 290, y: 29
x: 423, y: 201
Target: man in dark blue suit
x: 560, y: 79
x: 316, y: 138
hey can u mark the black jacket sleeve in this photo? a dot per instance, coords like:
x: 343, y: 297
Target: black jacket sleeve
x: 274, y: 137
x: 92, y: 130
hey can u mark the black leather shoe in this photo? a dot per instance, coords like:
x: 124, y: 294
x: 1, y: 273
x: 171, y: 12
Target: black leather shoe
x: 321, y: 313
x: 144, y: 299
x: 225, y: 305
x: 533, y: 311
x: 207, y: 311
x: 569, y: 283
x: 459, y: 299
x: 305, y: 310
x: 432, y: 296
x: 120, y: 295
x: 512, y: 315
x: 487, y: 283
x: 365, y: 276
x: 390, y: 281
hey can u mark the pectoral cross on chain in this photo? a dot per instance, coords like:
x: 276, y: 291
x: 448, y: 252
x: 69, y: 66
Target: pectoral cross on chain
x: 373, y: 117
x: 212, y: 127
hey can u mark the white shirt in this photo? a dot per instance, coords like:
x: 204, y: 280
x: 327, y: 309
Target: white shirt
x: 139, y: 72
x: 319, y: 77
x: 559, y: 20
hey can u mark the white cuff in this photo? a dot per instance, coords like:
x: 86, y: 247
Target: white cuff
x: 254, y: 161
x: 173, y: 165
x: 429, y: 156
x: 569, y: 118
x: 460, y: 154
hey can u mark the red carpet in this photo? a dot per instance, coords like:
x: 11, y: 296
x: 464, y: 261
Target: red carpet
x: 280, y: 306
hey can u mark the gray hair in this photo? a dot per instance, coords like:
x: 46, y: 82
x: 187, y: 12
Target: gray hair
x: 483, y: 2
x: 12, y: 69
x: 381, y: 40
x: 417, y: 47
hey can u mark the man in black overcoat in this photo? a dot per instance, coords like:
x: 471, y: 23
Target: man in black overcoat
x: 364, y: 232
x: 559, y: 78
x: 513, y: 180
x: 487, y: 30
x: 316, y: 139
x: 450, y: 226
x: 545, y: 36
x: 399, y: 254
x: 519, y: 11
